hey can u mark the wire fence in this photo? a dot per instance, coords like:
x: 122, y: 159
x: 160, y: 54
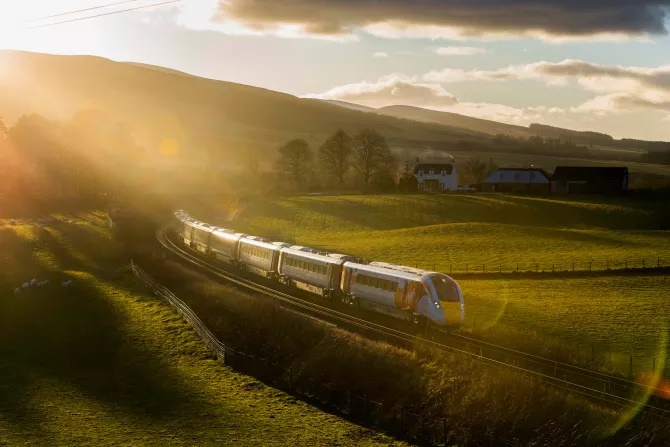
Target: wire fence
x: 403, y: 422
x: 636, y: 264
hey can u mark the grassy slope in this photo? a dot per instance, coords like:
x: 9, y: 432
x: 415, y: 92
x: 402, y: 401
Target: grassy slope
x: 619, y: 314
x: 450, y: 231
x: 104, y: 363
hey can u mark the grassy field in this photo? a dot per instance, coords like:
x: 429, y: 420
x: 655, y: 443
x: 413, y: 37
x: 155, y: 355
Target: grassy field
x: 459, y: 232
x: 105, y: 363
x: 619, y: 315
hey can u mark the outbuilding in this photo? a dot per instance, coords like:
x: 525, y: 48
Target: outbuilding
x: 523, y: 180
x: 589, y: 180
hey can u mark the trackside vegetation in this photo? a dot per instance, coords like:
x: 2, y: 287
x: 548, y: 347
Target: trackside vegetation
x: 480, y: 404
x: 103, y: 362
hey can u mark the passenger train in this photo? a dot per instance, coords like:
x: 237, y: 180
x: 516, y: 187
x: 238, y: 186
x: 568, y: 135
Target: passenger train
x: 420, y: 296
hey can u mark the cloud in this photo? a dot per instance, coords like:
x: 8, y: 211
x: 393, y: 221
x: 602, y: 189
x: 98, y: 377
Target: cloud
x: 620, y: 88
x: 451, y: 18
x: 460, y: 51
x: 391, y: 90
x: 380, y: 54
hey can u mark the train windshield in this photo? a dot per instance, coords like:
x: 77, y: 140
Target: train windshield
x: 446, y: 289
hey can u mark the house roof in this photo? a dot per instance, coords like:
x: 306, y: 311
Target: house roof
x: 589, y: 173
x: 437, y: 167
x: 518, y: 175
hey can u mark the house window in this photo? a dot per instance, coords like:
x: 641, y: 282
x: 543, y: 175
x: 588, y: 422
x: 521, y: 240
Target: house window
x: 432, y: 172
x: 420, y: 172
x: 444, y: 173
x: 442, y: 185
x: 420, y: 185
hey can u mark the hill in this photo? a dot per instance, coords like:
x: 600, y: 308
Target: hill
x: 204, y: 115
x: 454, y: 120
x: 106, y: 363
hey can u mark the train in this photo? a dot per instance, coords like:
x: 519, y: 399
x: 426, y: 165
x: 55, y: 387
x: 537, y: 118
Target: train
x: 412, y: 294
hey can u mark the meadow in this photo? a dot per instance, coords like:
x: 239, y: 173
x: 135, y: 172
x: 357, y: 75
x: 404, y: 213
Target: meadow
x: 104, y: 362
x: 608, y: 315
x: 459, y: 232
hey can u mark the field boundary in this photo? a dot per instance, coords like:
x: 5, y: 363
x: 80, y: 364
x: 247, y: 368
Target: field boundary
x: 402, y: 422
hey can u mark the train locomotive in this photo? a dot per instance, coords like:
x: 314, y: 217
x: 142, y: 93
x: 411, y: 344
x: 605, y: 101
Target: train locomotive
x: 417, y: 295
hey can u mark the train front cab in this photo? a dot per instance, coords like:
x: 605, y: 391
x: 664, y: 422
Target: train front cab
x: 450, y: 310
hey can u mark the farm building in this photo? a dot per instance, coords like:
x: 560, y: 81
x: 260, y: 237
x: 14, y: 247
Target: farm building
x: 437, y: 176
x: 589, y: 180
x: 532, y: 180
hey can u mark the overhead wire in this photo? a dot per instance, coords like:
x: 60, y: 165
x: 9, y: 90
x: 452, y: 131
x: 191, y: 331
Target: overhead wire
x: 80, y: 10
x: 104, y: 14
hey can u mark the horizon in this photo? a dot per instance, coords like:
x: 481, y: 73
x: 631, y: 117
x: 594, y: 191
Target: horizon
x: 609, y: 75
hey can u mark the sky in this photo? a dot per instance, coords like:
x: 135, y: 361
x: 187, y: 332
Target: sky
x: 587, y: 65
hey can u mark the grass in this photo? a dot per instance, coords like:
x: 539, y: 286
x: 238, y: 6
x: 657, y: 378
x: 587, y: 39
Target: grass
x: 477, y: 401
x: 606, y: 316
x: 106, y: 363
x: 459, y: 232
x: 609, y: 316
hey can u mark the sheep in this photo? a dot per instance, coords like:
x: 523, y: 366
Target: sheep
x: 33, y: 283
x: 67, y: 283
x: 42, y: 283
x: 17, y: 291
x: 26, y: 285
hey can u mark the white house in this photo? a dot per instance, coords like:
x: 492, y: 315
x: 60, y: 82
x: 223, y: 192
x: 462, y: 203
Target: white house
x: 437, y: 176
x: 517, y: 180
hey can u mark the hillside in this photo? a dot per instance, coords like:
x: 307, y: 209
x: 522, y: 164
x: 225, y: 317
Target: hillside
x: 202, y: 114
x: 454, y: 120
x: 106, y: 363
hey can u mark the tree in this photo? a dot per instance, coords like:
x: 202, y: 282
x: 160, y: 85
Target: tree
x: 295, y: 159
x: 408, y: 181
x: 335, y: 155
x: 3, y: 129
x: 475, y: 171
x: 371, y: 155
x: 492, y: 166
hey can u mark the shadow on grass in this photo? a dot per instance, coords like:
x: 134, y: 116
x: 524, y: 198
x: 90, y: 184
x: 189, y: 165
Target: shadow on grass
x: 75, y: 336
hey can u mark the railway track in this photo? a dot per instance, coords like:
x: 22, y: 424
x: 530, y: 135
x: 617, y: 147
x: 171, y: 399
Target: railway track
x: 597, y: 386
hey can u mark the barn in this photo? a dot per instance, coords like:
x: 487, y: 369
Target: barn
x: 589, y: 180
x: 525, y: 180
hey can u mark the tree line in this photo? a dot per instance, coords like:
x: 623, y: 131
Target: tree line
x: 341, y: 161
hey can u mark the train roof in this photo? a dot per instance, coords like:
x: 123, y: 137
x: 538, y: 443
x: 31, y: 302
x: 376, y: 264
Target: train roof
x: 313, y: 256
x: 383, y: 271
x: 281, y: 244
x: 403, y: 268
x: 227, y: 234
x: 304, y: 249
x: 258, y: 242
x: 201, y: 225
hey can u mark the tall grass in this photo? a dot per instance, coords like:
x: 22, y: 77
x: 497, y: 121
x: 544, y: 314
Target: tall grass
x: 477, y: 401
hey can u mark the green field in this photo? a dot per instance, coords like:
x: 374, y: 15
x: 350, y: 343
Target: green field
x: 105, y: 363
x: 459, y: 232
x: 625, y: 315
x: 620, y: 316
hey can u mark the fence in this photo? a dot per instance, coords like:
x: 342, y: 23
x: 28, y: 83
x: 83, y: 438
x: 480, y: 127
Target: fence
x: 403, y: 422
x: 565, y: 266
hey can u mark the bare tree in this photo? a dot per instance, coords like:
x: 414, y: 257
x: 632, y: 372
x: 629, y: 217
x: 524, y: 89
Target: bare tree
x: 371, y: 155
x: 295, y: 160
x: 475, y: 171
x: 335, y: 155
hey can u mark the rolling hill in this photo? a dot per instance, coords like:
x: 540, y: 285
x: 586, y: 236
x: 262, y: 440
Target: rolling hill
x: 202, y: 114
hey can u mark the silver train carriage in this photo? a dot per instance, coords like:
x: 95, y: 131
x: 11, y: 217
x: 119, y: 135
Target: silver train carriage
x: 313, y: 272
x: 403, y: 294
x: 259, y: 256
x: 224, y: 245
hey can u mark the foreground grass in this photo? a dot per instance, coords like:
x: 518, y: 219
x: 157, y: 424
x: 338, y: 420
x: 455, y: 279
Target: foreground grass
x: 455, y: 232
x: 105, y: 363
x: 481, y: 405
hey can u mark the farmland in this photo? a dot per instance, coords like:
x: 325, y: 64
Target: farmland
x: 103, y: 362
x: 615, y: 316
x: 452, y: 232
